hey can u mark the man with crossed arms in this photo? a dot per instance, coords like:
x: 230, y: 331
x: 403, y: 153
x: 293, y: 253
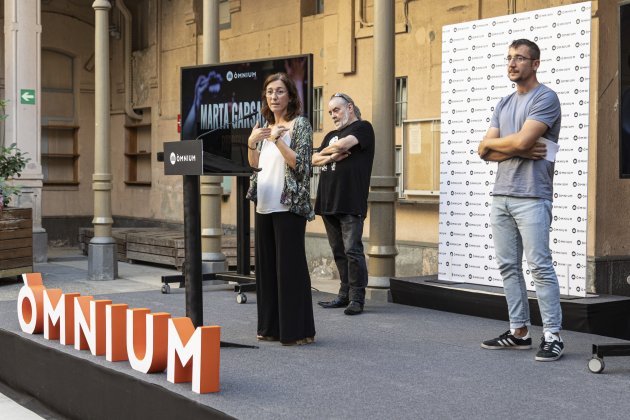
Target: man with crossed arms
x: 522, y: 200
x: 346, y: 156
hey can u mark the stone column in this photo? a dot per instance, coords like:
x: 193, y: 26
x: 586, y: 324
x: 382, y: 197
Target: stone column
x: 22, y: 49
x: 102, y: 261
x: 213, y: 260
x: 382, y: 247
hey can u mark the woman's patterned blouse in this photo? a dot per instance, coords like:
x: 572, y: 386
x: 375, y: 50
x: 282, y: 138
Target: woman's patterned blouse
x: 296, y: 193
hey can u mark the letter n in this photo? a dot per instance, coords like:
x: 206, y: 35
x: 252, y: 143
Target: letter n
x: 147, y: 340
x: 59, y: 316
x: 89, y: 324
x: 30, y: 304
x: 194, y: 355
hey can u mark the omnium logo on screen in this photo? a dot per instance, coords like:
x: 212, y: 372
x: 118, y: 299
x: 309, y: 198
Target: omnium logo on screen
x: 474, y: 79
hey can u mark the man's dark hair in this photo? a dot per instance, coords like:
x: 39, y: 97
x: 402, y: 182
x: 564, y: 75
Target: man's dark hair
x: 534, y: 51
x: 294, y: 108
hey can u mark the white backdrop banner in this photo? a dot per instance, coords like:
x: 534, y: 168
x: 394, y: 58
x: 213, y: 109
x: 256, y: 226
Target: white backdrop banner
x: 474, y: 78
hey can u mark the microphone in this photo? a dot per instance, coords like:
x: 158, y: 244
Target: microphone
x: 244, y: 117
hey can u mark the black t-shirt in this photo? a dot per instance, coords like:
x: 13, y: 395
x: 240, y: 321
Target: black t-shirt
x: 344, y: 186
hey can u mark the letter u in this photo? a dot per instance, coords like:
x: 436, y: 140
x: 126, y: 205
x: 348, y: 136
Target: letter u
x: 147, y: 340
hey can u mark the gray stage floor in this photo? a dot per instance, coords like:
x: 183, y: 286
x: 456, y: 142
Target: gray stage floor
x: 393, y: 361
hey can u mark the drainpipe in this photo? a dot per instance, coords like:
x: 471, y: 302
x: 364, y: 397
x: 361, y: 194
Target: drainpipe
x: 120, y: 4
x: 511, y: 7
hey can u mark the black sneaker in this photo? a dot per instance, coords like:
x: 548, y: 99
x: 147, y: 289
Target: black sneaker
x: 551, y: 348
x: 508, y: 341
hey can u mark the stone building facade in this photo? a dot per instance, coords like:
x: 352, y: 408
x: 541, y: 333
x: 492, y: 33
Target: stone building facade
x: 166, y: 35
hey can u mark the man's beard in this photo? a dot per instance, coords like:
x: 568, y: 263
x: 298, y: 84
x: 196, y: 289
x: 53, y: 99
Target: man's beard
x: 515, y: 77
x: 344, y: 120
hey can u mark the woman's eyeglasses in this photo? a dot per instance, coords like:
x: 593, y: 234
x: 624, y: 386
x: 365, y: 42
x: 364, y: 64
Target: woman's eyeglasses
x: 277, y: 92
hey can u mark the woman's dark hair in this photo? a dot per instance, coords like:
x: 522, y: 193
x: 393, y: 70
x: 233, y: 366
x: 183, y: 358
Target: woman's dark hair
x: 534, y: 51
x: 294, y: 108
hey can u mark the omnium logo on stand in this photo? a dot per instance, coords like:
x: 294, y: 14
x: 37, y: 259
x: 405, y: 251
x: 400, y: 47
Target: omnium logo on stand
x: 185, y: 157
x: 182, y: 158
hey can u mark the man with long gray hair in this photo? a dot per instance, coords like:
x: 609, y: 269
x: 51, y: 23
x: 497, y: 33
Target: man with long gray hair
x: 346, y: 156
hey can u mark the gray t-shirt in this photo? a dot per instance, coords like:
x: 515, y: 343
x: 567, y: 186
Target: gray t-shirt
x: 516, y: 176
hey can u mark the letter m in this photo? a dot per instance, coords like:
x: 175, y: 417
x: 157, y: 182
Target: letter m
x: 59, y: 316
x: 193, y: 355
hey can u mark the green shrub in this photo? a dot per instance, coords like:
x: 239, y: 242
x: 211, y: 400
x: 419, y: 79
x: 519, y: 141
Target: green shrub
x: 12, y: 163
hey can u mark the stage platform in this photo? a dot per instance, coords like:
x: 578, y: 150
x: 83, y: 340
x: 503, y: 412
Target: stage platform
x: 392, y: 361
x: 595, y: 314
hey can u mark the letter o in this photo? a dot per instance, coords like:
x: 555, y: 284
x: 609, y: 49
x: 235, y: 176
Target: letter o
x: 29, y: 308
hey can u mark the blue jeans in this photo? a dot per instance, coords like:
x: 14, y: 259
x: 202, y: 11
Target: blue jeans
x: 344, y: 236
x: 522, y: 225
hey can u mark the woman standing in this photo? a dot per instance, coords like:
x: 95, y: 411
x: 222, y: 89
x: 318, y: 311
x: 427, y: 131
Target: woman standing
x: 282, y: 149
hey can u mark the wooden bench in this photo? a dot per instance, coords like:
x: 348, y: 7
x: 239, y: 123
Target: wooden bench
x: 158, y: 245
x: 119, y: 235
x: 228, y: 247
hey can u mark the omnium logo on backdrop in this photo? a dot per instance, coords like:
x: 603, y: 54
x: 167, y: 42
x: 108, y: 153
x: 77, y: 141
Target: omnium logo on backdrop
x: 151, y: 342
x: 473, y: 80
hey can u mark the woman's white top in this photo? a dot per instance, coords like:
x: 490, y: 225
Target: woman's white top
x: 271, y: 177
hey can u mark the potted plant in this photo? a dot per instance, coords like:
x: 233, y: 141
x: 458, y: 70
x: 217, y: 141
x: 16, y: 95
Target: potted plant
x: 12, y: 162
x: 16, y: 224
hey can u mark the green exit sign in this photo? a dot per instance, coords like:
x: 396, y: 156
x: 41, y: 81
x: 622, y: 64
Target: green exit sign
x: 27, y: 96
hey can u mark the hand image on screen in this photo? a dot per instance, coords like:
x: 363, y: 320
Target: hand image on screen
x: 210, y: 83
x: 296, y: 69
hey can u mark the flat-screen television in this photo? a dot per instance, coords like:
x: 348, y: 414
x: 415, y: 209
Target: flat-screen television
x: 220, y: 103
